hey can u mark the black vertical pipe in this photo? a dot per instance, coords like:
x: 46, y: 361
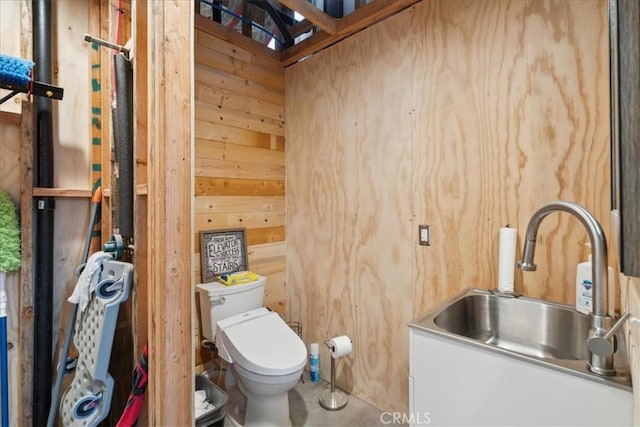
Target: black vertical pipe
x: 43, y: 240
x: 123, y: 144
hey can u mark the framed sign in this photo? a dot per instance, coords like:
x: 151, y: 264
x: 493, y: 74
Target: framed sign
x: 222, y: 252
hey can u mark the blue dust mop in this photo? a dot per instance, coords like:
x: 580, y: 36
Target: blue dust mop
x: 10, y: 260
x: 16, y: 75
x: 15, y: 71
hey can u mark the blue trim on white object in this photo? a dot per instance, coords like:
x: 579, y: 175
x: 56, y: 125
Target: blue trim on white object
x: 88, y: 399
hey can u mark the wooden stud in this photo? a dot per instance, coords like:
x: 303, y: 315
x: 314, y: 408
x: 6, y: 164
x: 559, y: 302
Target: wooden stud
x: 25, y: 405
x: 171, y: 351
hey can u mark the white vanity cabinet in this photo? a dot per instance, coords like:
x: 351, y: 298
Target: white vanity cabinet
x: 457, y: 383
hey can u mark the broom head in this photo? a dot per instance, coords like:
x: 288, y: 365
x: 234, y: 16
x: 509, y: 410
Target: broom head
x: 10, y: 258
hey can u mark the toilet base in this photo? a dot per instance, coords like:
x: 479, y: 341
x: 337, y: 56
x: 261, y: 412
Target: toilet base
x: 247, y: 409
x: 271, y: 410
x: 236, y: 408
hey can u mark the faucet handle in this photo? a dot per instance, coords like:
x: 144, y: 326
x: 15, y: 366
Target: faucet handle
x: 601, y: 346
x: 605, y: 345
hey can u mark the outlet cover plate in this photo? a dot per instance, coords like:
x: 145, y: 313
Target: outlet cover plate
x: 424, y: 235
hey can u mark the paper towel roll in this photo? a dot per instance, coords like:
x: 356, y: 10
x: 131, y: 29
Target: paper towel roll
x: 506, y: 259
x: 340, y: 346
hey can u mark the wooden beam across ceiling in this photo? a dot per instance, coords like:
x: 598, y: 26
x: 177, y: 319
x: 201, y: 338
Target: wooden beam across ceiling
x: 361, y: 18
x: 301, y: 27
x: 313, y: 14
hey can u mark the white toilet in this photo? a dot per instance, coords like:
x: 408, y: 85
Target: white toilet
x: 266, y: 354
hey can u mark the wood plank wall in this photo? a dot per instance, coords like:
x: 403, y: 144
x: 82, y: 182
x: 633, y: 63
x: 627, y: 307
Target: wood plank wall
x: 239, y: 150
x: 462, y: 115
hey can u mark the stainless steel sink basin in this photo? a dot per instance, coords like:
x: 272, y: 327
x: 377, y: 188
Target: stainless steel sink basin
x: 542, y: 332
x: 518, y: 324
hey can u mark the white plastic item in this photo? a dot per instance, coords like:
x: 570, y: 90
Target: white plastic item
x: 87, y: 400
x: 455, y: 384
x: 506, y: 258
x: 584, y: 286
x: 340, y: 346
x: 218, y: 301
x: 314, y: 362
x: 261, y: 342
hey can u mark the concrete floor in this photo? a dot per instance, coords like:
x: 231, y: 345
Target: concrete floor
x: 305, y: 410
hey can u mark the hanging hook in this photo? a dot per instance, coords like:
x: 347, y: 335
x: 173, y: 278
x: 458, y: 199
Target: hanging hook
x: 89, y: 38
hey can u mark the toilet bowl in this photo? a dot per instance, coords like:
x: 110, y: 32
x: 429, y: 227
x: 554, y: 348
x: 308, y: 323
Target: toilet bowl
x: 267, y: 359
x: 266, y: 356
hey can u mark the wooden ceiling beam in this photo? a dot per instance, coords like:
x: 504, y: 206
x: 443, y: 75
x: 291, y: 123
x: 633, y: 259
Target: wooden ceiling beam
x: 313, y: 14
x: 301, y: 27
x: 371, y: 13
x: 361, y: 18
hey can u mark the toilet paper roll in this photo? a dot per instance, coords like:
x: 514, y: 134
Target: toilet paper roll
x: 506, y: 259
x: 340, y: 346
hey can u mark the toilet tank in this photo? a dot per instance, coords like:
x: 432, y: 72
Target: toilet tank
x: 218, y: 301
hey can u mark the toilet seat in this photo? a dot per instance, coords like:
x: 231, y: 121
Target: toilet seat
x: 261, y: 342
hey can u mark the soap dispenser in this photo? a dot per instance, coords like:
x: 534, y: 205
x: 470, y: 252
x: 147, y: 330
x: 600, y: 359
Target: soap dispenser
x: 584, y: 287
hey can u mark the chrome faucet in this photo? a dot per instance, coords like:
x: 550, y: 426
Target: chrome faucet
x: 600, y: 342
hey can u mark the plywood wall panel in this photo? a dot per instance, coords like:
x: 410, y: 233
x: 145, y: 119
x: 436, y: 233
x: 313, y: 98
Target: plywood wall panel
x: 10, y: 44
x: 524, y: 126
x: 10, y: 171
x: 470, y: 121
x: 349, y: 155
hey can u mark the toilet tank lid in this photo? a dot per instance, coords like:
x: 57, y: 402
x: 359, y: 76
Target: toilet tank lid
x: 216, y: 289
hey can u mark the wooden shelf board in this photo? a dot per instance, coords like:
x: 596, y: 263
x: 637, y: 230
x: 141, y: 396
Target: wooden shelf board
x: 61, y: 192
x: 10, y: 118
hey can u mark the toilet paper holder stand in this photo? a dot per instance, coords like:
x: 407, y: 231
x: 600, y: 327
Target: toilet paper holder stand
x: 332, y: 399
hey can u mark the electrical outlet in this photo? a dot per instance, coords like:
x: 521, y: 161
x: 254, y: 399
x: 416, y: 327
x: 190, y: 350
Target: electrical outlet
x: 424, y: 235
